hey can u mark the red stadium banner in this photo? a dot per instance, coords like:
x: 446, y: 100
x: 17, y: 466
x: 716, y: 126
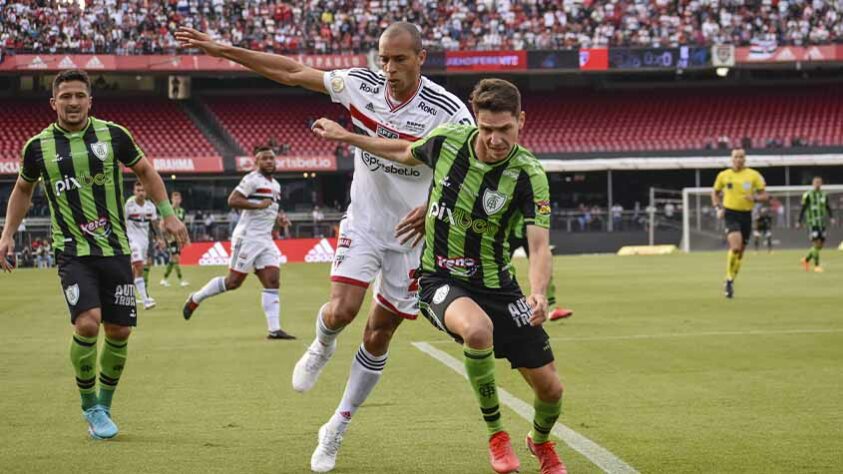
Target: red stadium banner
x: 292, y: 251
x: 486, y: 60
x: 285, y: 164
x: 161, y: 62
x: 176, y: 165
x: 9, y: 166
x: 787, y: 54
x: 594, y: 59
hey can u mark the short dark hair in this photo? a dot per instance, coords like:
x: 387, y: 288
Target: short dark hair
x: 72, y: 75
x: 405, y: 27
x: 261, y: 149
x: 138, y: 183
x: 496, y: 95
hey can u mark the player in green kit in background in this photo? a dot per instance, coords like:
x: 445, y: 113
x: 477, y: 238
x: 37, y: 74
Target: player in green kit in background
x: 482, y: 182
x: 172, y: 244
x: 78, y: 160
x: 816, y: 210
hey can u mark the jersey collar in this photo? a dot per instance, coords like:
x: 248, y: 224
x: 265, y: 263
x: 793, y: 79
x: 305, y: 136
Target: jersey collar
x: 80, y: 133
x: 389, y: 100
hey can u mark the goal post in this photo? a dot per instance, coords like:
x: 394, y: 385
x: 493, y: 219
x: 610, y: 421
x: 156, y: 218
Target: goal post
x: 702, y: 230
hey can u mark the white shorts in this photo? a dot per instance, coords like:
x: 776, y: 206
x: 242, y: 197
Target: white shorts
x: 140, y: 250
x: 253, y: 254
x: 359, y: 260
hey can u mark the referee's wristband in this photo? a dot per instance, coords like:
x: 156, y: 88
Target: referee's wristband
x: 166, y: 209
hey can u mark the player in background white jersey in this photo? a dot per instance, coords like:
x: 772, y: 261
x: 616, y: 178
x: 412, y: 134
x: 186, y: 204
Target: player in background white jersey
x: 140, y: 213
x: 252, y: 246
x: 395, y: 103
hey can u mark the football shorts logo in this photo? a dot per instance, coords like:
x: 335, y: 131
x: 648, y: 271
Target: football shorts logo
x: 493, y: 201
x: 72, y: 294
x: 100, y: 150
x: 441, y: 294
x: 337, y: 84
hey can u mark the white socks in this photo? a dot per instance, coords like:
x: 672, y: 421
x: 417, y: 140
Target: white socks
x: 271, y: 308
x: 141, y: 287
x: 214, y: 287
x: 325, y: 336
x: 366, y: 371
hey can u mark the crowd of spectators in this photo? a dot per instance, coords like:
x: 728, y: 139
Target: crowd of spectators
x: 345, y: 26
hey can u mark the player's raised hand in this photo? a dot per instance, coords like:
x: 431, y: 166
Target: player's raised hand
x: 7, y: 255
x: 411, y: 226
x: 538, y: 303
x: 175, y: 227
x: 190, y: 38
x: 329, y: 130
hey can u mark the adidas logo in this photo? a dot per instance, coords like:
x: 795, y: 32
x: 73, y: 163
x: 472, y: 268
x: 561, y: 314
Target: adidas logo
x: 94, y: 63
x: 215, y: 255
x: 321, y: 252
x: 370, y: 107
x: 67, y: 63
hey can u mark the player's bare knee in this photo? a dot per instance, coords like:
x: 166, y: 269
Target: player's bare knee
x: 551, y: 391
x: 232, y: 282
x: 117, y: 333
x: 87, y: 324
x: 477, y: 335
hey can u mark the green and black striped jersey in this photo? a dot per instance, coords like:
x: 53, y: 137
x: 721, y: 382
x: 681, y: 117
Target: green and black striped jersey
x: 816, y: 208
x: 180, y: 213
x: 472, y: 206
x: 84, y: 185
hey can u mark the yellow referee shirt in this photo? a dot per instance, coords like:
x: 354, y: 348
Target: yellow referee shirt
x: 738, y: 186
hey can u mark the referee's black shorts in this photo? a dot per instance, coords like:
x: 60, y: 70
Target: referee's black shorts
x: 739, y: 221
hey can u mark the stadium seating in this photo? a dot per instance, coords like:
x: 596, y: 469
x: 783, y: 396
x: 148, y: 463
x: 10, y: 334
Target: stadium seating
x: 159, y: 126
x: 680, y: 119
x: 253, y: 120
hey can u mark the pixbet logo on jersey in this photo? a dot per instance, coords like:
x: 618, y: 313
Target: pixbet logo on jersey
x: 462, y: 219
x: 69, y: 183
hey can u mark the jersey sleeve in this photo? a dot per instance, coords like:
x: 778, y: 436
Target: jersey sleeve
x: 29, y: 162
x: 719, y: 182
x: 126, y: 150
x: 463, y: 116
x: 246, y: 187
x: 344, y: 85
x: 533, y: 196
x: 427, y: 149
x: 758, y: 182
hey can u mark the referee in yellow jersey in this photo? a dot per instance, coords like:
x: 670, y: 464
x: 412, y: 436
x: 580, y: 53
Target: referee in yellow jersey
x: 741, y: 188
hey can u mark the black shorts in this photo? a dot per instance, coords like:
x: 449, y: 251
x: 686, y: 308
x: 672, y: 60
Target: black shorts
x: 513, y: 337
x: 739, y: 221
x: 817, y: 233
x: 173, y: 248
x: 515, y: 243
x: 99, y: 282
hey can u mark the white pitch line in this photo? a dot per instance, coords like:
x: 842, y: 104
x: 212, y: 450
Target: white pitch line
x: 595, y: 453
x: 683, y: 334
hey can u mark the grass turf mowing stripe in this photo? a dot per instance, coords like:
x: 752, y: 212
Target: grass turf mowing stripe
x: 592, y: 451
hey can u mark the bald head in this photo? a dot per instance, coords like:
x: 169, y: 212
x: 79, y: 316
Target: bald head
x: 404, y: 28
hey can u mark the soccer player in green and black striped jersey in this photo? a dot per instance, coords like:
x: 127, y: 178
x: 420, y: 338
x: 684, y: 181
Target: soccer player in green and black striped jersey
x: 483, y: 181
x: 816, y: 211
x: 172, y: 244
x: 78, y: 160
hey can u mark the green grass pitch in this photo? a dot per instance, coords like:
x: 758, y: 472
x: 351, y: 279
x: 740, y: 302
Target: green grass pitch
x: 659, y: 369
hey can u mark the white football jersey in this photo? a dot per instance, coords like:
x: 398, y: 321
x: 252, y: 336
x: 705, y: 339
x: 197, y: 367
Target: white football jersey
x: 257, y: 223
x: 382, y: 192
x: 138, y: 218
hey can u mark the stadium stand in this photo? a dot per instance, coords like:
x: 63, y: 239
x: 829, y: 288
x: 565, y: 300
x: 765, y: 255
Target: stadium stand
x: 146, y: 26
x: 159, y: 126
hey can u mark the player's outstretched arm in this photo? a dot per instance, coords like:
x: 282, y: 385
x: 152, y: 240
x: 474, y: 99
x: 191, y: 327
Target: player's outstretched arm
x: 392, y: 150
x: 154, y: 185
x: 272, y: 66
x: 15, y: 211
x: 538, y: 239
x: 236, y: 200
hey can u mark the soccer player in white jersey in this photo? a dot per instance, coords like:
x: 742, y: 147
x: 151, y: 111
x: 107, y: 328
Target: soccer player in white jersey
x: 140, y: 213
x: 257, y: 196
x: 395, y: 103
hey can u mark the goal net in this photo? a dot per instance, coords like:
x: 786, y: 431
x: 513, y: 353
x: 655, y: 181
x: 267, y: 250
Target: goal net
x: 702, y: 230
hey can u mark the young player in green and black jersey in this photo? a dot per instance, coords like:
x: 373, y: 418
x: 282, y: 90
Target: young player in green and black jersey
x: 172, y: 244
x: 482, y: 182
x: 763, y: 227
x: 816, y: 211
x: 78, y: 160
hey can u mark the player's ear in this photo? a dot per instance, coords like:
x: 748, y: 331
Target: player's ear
x: 522, y: 119
x: 53, y: 103
x: 422, y: 56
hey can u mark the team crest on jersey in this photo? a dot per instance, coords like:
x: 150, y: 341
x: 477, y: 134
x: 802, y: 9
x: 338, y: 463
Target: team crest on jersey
x: 493, y: 201
x: 100, y: 150
x: 72, y: 294
x: 747, y: 185
x: 337, y: 84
